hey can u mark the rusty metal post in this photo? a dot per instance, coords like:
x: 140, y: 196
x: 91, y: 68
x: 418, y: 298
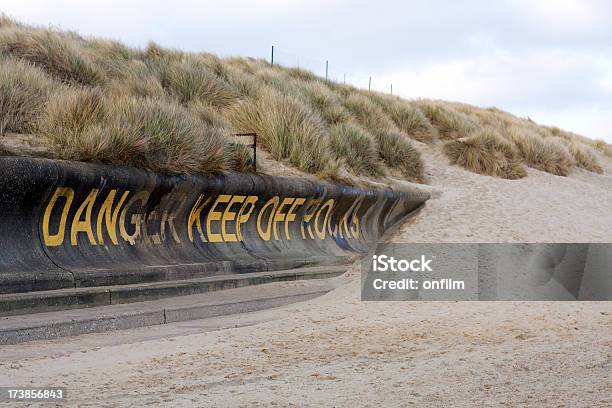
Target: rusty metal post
x: 255, y: 152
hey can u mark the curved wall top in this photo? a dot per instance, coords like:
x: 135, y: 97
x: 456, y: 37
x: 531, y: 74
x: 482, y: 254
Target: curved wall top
x: 65, y: 224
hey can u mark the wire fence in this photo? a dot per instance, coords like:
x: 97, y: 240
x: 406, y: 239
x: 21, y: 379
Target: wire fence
x: 328, y: 70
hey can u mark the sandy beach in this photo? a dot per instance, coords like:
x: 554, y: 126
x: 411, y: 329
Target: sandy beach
x: 336, y: 350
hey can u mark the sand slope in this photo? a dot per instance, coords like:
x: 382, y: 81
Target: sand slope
x: 539, y: 208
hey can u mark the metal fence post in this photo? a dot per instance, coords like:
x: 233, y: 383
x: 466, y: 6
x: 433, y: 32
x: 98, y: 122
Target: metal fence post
x: 255, y: 152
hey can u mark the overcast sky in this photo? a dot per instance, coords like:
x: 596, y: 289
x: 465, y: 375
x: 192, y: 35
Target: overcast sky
x: 550, y: 60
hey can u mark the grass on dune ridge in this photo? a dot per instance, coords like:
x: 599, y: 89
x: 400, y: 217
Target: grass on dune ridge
x: 172, y: 111
x: 486, y: 152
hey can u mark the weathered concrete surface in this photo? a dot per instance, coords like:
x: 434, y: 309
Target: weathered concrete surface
x: 74, y: 298
x: 69, y: 224
x: 17, y: 329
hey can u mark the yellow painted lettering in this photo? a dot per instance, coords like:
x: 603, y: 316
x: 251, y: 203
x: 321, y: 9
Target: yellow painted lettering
x: 229, y: 215
x: 79, y: 225
x: 136, y: 220
x: 195, y: 218
x: 214, y: 215
x: 244, y: 214
x: 265, y: 234
x: 291, y: 215
x: 57, y: 239
x: 110, y: 216
x: 279, y: 215
x: 329, y: 204
x: 310, y: 212
x: 169, y: 218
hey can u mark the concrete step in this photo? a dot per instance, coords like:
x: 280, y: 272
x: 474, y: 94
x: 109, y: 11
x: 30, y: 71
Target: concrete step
x: 50, y: 325
x: 76, y: 298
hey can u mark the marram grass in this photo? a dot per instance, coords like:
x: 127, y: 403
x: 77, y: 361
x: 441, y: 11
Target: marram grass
x: 173, y: 111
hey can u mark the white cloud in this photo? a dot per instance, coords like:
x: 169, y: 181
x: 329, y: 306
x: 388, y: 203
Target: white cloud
x: 605, y: 81
x: 593, y: 122
x: 203, y: 11
x: 138, y: 21
x: 549, y: 59
x: 574, y: 88
x: 565, y: 16
x: 502, y: 76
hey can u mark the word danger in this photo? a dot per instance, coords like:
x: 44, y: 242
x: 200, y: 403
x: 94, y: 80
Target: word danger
x: 120, y: 216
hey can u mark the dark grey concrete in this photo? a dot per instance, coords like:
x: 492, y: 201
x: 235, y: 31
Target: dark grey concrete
x: 57, y: 228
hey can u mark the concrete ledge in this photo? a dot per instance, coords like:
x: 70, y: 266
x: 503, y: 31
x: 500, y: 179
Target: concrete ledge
x: 181, y: 314
x: 18, y: 329
x: 32, y: 330
x: 47, y: 301
x: 64, y: 299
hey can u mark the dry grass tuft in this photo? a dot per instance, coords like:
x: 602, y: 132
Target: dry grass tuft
x: 548, y: 155
x: 210, y: 115
x: 603, y: 147
x: 357, y: 148
x: 52, y: 52
x: 450, y: 123
x: 213, y: 63
x: 584, y: 157
x: 398, y: 153
x: 155, y: 51
x: 110, y: 56
x: 246, y: 65
x: 274, y: 78
x: 136, y: 79
x: 412, y: 121
x: 191, y: 81
x: 486, y: 152
x: 6, y: 21
x: 111, y: 50
x: 240, y: 157
x: 164, y: 137
x: 69, y: 114
x: 301, y: 74
x: 85, y: 125
x: 243, y: 82
x: 368, y: 113
x: 287, y: 128
x: 325, y: 101
x: 23, y: 93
